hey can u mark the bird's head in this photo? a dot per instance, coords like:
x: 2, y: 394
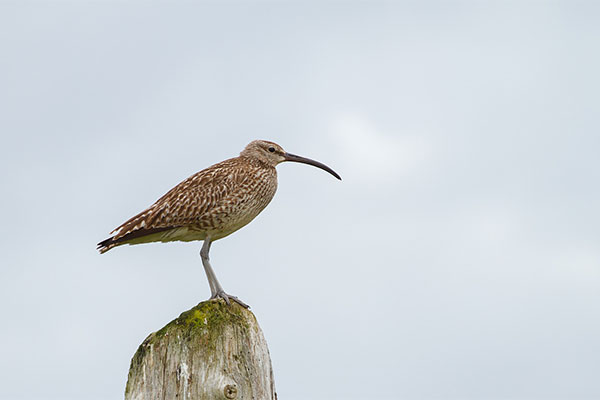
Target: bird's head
x: 272, y: 154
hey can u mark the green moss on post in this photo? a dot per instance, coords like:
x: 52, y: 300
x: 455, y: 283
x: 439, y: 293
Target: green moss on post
x: 213, y: 351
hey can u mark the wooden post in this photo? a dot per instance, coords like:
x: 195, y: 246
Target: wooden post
x: 213, y: 351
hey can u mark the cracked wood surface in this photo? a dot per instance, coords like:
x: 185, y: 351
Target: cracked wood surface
x: 213, y: 351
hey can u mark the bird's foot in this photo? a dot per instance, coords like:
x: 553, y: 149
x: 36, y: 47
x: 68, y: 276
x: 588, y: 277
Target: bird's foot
x: 221, y: 294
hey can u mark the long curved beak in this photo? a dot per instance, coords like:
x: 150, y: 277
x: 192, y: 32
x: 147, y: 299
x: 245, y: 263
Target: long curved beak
x: 304, y: 160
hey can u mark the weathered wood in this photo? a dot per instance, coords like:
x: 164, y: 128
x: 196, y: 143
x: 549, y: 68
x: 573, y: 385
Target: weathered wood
x: 213, y: 351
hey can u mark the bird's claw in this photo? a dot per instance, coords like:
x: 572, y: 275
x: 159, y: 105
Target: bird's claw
x: 226, y: 297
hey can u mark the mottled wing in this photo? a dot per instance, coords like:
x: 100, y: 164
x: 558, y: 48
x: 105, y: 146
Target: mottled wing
x: 187, y: 204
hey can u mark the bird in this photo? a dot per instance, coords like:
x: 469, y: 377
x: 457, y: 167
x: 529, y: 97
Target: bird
x: 210, y: 205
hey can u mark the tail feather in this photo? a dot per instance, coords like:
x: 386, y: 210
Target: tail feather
x: 114, y: 241
x: 106, y: 245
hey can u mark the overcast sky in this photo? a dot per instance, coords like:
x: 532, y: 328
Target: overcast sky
x: 459, y: 258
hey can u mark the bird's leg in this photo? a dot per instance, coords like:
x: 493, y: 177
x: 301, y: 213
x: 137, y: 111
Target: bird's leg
x: 210, y: 274
x: 205, y: 262
x: 216, y: 290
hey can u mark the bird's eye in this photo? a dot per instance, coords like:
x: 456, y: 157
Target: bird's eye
x: 272, y: 149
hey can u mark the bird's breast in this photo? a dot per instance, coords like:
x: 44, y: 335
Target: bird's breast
x: 250, y: 194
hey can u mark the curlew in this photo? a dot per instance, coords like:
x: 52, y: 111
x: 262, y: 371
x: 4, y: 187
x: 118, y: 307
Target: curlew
x: 211, y: 204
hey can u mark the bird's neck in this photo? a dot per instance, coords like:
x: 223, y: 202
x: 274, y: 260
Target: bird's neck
x: 256, y: 161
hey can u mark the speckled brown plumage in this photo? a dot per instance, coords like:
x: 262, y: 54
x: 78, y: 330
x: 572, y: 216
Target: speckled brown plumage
x: 214, y: 202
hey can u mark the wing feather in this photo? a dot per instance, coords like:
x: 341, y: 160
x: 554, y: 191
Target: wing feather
x: 186, y: 204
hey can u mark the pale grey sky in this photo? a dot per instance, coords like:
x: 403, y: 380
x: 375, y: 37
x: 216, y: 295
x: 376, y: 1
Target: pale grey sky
x: 458, y: 259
